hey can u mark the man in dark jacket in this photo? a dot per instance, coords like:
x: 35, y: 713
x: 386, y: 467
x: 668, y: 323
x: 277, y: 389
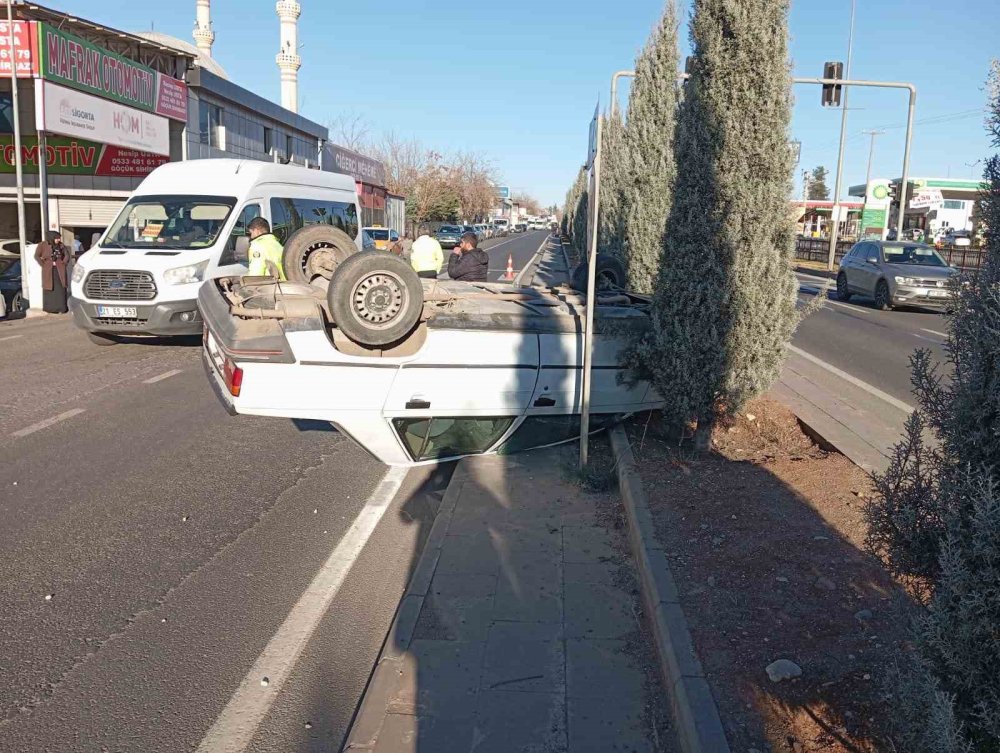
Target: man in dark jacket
x: 467, y: 262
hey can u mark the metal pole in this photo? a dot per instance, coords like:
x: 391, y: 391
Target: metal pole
x: 18, y: 169
x: 871, y: 154
x: 43, y: 182
x: 588, y: 332
x: 835, y: 230
x: 906, y: 163
x: 614, y: 87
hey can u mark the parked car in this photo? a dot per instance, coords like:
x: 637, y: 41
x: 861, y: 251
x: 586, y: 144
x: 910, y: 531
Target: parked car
x: 521, y: 227
x: 471, y: 229
x: 274, y: 350
x: 958, y: 238
x: 896, y: 273
x: 382, y: 237
x: 449, y: 236
x: 10, y: 284
x: 485, y: 231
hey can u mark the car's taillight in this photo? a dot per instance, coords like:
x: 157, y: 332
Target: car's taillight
x: 233, y: 376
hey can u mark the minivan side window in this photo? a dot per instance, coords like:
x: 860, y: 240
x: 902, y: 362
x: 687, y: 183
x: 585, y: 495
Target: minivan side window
x: 239, y: 229
x: 288, y: 215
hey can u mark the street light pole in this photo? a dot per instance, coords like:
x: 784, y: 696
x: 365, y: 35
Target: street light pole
x: 18, y: 169
x: 871, y: 153
x: 614, y: 87
x: 840, y: 154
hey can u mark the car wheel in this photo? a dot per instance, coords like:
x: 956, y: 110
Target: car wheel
x: 843, y: 293
x: 16, y: 304
x: 882, y: 300
x: 99, y: 339
x: 610, y: 274
x: 375, y: 299
x: 315, y: 251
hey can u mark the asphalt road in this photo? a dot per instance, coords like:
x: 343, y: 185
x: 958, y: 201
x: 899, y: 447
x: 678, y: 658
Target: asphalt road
x: 152, y: 546
x: 520, y: 247
x: 873, y: 346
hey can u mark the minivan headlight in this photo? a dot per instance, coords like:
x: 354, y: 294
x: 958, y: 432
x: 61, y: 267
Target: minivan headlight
x: 78, y: 273
x: 906, y: 281
x: 184, y: 275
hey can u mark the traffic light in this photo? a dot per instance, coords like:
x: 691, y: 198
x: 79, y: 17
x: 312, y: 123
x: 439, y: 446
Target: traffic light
x: 831, y: 92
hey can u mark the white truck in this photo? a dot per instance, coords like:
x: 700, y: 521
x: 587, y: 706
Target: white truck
x: 187, y: 223
x: 420, y: 371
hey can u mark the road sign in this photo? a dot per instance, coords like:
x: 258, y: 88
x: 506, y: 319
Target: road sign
x: 592, y: 140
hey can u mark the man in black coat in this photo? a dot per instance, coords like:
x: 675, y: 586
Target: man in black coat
x: 467, y: 262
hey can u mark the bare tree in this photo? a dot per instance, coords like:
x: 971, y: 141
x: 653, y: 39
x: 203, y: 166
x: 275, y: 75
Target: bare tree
x: 350, y: 130
x: 529, y: 202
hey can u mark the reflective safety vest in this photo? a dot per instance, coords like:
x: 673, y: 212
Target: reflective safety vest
x: 264, y: 249
x: 426, y: 255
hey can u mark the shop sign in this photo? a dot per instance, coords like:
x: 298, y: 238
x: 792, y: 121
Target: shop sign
x: 69, y: 156
x: 72, y: 113
x: 363, y: 169
x: 926, y: 198
x: 74, y: 62
x: 22, y: 49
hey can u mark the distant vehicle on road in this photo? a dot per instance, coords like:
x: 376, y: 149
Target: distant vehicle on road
x: 449, y: 236
x: 382, y: 237
x: 483, y: 231
x: 502, y: 226
x: 958, y: 238
x: 521, y: 227
x: 896, y: 273
x: 10, y: 284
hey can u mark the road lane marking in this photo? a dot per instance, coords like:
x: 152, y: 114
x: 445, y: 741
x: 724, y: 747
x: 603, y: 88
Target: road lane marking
x: 236, y: 725
x: 935, y: 332
x: 10, y: 337
x: 46, y: 423
x: 164, y: 375
x: 859, y: 309
x: 518, y: 280
x: 895, y: 402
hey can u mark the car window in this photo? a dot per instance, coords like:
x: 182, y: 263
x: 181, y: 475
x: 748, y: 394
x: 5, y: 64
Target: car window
x: 239, y: 229
x: 432, y: 438
x: 539, y: 431
x: 378, y: 234
x: 10, y: 267
x: 290, y: 214
x: 12, y: 247
x: 913, y: 254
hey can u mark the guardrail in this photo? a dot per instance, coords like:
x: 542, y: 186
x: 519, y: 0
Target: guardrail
x: 818, y: 250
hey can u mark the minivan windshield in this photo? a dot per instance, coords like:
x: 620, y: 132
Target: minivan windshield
x: 174, y: 222
x: 913, y: 254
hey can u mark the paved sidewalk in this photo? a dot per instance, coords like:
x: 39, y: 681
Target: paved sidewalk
x: 551, y: 266
x: 528, y: 633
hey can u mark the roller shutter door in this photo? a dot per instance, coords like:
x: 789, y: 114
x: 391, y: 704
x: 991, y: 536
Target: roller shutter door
x: 88, y: 212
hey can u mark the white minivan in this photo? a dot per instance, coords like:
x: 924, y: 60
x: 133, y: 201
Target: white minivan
x: 187, y: 223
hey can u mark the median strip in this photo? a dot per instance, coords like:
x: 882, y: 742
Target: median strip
x: 895, y: 402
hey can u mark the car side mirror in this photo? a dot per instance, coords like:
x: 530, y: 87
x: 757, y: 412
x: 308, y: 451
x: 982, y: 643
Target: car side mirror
x: 241, y: 253
x: 873, y: 260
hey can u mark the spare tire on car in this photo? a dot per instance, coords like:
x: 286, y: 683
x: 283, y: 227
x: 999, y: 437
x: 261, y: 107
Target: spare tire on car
x: 315, y: 251
x: 610, y: 274
x: 375, y: 299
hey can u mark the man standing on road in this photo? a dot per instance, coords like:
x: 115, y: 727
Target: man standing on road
x: 426, y: 256
x: 265, y: 250
x: 468, y: 263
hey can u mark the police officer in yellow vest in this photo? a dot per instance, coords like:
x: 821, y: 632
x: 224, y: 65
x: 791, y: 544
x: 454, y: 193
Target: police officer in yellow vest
x: 265, y: 250
x: 426, y: 256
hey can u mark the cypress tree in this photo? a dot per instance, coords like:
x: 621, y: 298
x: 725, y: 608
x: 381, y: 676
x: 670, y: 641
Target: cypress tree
x: 724, y: 306
x: 648, y: 165
x: 614, y: 177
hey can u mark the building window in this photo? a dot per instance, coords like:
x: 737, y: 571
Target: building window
x: 210, y: 125
x: 288, y: 147
x: 268, y: 140
x: 953, y: 204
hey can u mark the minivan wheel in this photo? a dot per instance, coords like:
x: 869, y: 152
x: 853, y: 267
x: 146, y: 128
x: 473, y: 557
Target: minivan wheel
x: 99, y: 339
x: 843, y: 293
x: 375, y: 299
x: 882, y: 300
x: 16, y: 303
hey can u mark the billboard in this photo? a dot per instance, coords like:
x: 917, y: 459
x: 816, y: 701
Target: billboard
x: 503, y: 192
x: 74, y: 62
x: 22, y: 49
x: 69, y: 156
x: 73, y: 113
x: 875, y: 215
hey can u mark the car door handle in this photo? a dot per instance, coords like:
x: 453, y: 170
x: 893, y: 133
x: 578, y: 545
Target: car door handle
x: 544, y: 402
x: 418, y: 405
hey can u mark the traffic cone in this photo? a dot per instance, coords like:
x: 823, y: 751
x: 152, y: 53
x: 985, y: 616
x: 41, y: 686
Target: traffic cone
x: 510, y: 267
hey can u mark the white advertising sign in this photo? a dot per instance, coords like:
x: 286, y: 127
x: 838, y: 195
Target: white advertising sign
x: 927, y: 197
x: 73, y: 113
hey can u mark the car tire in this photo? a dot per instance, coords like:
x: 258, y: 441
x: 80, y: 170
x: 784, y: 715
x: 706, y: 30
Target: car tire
x: 16, y: 304
x: 315, y: 251
x: 843, y: 292
x: 883, y: 302
x: 375, y: 299
x: 98, y: 338
x: 610, y: 274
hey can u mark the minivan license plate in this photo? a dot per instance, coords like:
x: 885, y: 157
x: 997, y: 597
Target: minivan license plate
x: 117, y: 312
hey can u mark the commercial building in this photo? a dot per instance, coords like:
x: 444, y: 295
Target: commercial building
x: 932, y: 205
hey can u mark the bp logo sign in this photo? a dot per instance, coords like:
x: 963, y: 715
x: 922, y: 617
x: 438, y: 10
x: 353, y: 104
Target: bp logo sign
x: 880, y: 192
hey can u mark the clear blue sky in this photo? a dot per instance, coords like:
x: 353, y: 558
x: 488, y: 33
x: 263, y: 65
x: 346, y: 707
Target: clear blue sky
x: 518, y: 80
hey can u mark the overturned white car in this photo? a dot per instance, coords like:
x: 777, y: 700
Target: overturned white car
x: 418, y: 371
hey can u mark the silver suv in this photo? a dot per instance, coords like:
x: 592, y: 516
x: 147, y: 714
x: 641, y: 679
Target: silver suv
x: 896, y: 273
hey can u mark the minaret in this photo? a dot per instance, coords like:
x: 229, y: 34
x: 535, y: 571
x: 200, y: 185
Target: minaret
x: 288, y: 56
x: 203, y: 34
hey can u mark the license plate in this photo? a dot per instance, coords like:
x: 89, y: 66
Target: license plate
x: 118, y: 312
x: 939, y: 293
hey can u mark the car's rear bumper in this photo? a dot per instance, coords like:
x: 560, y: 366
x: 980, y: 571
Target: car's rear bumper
x: 217, y: 386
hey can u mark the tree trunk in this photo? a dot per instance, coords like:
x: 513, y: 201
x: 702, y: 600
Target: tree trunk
x: 703, y: 435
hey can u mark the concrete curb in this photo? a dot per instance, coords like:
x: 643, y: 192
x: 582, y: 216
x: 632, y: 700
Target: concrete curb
x: 374, y: 703
x: 562, y: 247
x: 530, y: 266
x: 695, y: 714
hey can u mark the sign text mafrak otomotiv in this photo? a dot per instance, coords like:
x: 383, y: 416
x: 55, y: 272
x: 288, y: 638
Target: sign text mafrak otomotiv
x: 69, y: 156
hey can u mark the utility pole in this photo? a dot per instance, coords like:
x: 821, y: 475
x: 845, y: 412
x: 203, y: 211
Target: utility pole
x: 840, y: 154
x: 18, y: 169
x: 871, y: 153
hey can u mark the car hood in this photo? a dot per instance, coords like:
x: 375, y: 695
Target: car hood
x: 921, y: 270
